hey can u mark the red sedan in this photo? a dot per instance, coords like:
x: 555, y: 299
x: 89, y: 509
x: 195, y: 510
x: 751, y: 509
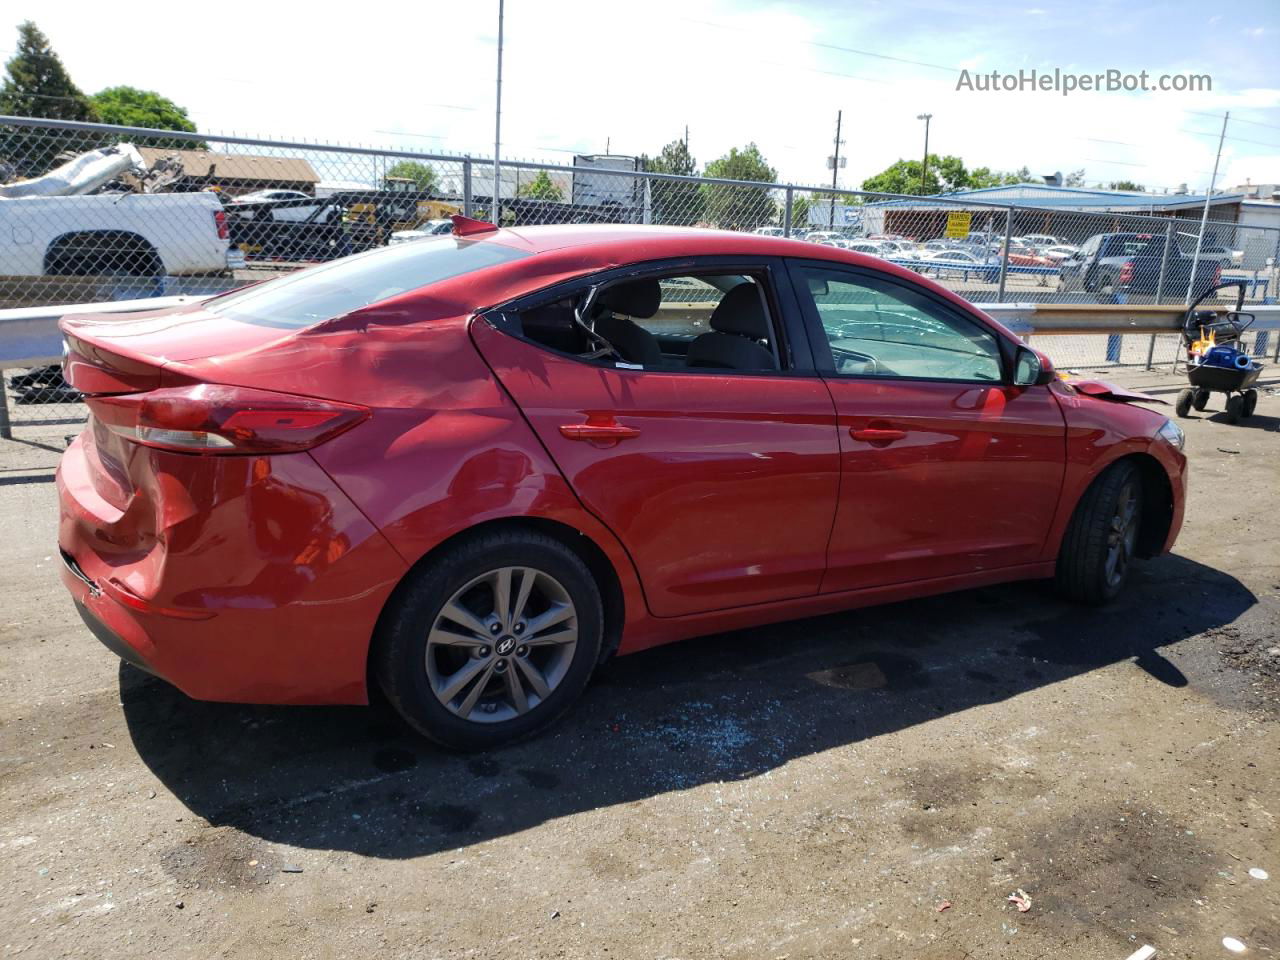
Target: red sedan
x: 470, y: 468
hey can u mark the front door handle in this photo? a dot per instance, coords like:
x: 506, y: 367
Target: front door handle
x: 876, y: 434
x: 608, y: 432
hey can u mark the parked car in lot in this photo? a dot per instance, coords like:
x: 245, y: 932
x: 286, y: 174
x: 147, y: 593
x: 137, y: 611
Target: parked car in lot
x: 144, y: 235
x: 470, y: 468
x: 432, y: 228
x: 962, y: 262
x: 1059, y: 253
x: 1112, y: 263
x: 870, y: 247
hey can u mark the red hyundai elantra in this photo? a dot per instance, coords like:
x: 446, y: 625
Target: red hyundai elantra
x: 470, y: 468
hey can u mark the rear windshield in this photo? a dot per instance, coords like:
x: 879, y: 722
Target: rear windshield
x: 324, y: 292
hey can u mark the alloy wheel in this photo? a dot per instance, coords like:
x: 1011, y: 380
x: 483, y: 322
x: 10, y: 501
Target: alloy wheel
x: 1122, y: 535
x: 501, y: 644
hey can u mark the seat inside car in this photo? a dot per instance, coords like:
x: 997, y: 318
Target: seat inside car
x: 739, y: 330
x: 638, y: 299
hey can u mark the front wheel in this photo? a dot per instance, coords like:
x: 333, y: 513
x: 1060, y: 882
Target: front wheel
x: 1201, y: 399
x: 1235, y: 408
x: 1186, y: 397
x: 1249, y: 404
x: 1102, y: 536
x: 492, y: 641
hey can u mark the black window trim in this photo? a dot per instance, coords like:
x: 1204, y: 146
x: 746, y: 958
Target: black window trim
x: 794, y: 344
x: 872, y: 278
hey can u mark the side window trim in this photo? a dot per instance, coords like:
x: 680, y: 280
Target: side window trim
x: 792, y: 344
x: 824, y: 360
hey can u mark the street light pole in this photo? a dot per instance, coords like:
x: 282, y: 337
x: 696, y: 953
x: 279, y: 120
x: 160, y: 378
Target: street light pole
x: 924, y: 167
x: 497, y: 128
x: 1204, y: 216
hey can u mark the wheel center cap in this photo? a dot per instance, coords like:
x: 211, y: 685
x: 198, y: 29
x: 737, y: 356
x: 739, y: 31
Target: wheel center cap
x: 504, y: 646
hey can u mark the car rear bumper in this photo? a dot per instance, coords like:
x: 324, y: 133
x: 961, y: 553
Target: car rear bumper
x: 267, y: 596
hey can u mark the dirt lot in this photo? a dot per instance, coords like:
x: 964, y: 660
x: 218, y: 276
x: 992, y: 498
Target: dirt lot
x: 817, y: 789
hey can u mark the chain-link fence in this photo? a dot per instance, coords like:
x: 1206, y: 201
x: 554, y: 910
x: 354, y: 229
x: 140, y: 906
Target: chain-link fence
x: 117, y: 213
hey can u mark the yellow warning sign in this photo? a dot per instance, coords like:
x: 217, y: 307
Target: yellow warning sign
x: 958, y: 225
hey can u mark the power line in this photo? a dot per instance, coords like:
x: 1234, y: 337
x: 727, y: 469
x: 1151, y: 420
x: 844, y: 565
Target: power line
x: 1256, y: 123
x: 830, y: 46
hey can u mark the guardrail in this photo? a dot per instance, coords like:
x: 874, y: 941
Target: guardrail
x: 29, y: 336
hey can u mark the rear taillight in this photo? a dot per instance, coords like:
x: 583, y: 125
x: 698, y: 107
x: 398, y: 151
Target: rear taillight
x: 1217, y: 275
x: 1126, y: 272
x: 220, y: 221
x: 213, y: 418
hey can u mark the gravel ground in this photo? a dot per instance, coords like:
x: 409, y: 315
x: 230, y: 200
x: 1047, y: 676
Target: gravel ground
x: 872, y: 784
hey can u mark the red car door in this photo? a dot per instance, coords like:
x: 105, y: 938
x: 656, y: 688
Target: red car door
x: 947, y: 468
x: 720, y: 481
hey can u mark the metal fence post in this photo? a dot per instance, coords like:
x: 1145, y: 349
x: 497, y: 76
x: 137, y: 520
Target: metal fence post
x: 6, y: 431
x: 1004, y: 253
x: 786, y: 215
x: 468, y: 208
x: 1164, y: 271
x: 1164, y: 262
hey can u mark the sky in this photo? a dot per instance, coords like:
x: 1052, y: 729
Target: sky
x: 585, y: 76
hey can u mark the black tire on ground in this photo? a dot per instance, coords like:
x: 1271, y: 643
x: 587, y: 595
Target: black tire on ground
x: 1090, y: 569
x: 401, y: 650
x: 1235, y: 408
x: 1201, y: 399
x: 1250, y: 403
x: 1182, y: 406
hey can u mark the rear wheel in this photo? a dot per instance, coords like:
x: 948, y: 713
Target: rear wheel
x: 1182, y: 406
x: 1201, y: 399
x: 492, y: 641
x: 1235, y: 408
x: 1099, y: 544
x: 1250, y: 403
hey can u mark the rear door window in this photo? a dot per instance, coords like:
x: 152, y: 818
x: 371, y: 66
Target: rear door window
x: 321, y: 293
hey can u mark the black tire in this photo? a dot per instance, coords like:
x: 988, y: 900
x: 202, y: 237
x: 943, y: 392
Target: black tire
x: 400, y: 651
x: 1182, y: 406
x: 1250, y: 403
x: 1201, y: 399
x: 1086, y: 572
x: 1235, y: 408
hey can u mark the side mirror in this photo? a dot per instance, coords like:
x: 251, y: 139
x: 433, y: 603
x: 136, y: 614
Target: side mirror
x: 1030, y: 369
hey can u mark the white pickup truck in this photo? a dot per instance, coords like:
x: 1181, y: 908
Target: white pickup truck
x: 57, y: 224
x: 131, y: 234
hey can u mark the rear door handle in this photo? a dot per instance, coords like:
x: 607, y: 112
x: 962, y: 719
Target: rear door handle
x: 598, y: 432
x: 876, y: 434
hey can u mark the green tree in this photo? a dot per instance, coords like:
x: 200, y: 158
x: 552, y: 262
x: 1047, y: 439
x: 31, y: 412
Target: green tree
x: 1074, y: 179
x: 1021, y: 175
x: 672, y: 202
x: 740, y: 208
x: 904, y: 177
x: 423, y: 176
x: 131, y: 107
x: 945, y: 173
x: 36, y: 84
x: 542, y: 187
x: 1125, y: 185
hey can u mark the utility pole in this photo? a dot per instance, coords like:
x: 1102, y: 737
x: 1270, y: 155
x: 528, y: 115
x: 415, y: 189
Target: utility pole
x: 835, y: 171
x: 686, y: 138
x: 1204, y: 216
x: 497, y: 129
x: 924, y: 167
